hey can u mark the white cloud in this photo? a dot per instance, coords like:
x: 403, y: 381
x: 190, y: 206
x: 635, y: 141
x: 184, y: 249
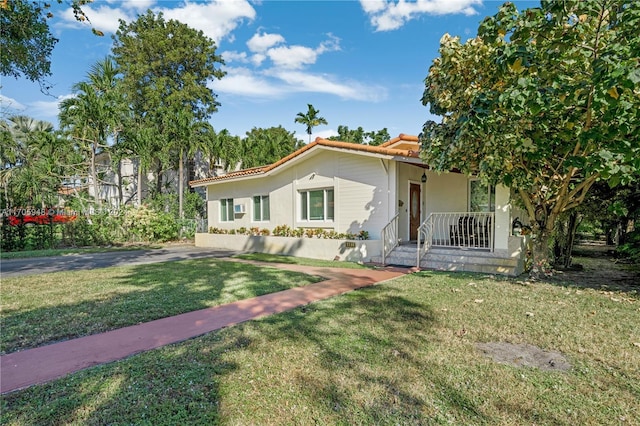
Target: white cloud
x: 373, y: 6
x: 243, y: 82
x: 47, y: 109
x: 351, y: 90
x: 103, y: 18
x: 258, y: 58
x: 9, y: 106
x: 387, y: 15
x: 279, y: 83
x: 261, y: 42
x: 138, y: 5
x: 292, y: 56
x: 216, y: 18
x: 295, y: 57
x: 233, y: 56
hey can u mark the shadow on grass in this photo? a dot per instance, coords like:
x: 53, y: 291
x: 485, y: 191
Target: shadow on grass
x: 367, y: 374
x: 145, y: 293
x: 169, y: 386
x: 361, y: 358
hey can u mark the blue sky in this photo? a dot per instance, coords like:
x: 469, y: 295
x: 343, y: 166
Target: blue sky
x: 361, y: 63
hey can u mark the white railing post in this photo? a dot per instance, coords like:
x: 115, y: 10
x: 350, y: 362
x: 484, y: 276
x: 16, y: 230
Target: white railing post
x: 426, y: 230
x: 389, y: 237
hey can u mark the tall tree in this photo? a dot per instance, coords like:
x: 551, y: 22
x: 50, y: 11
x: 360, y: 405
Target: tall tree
x: 265, y: 146
x: 310, y: 119
x: 166, y: 67
x: 545, y: 101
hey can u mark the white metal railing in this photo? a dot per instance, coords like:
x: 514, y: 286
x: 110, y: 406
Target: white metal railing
x: 425, y: 238
x: 389, y: 236
x: 469, y: 230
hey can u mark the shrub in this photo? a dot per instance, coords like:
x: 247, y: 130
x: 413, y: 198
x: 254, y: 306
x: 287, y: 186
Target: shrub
x: 631, y: 248
x: 150, y: 225
x: 286, y: 231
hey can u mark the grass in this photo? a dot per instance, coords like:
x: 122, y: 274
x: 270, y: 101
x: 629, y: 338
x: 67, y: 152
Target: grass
x: 402, y: 352
x: 7, y: 255
x: 276, y: 258
x: 41, y: 309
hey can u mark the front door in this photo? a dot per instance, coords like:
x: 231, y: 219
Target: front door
x: 414, y: 211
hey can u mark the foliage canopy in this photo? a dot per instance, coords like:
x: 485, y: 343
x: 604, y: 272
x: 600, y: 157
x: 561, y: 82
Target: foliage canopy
x: 26, y: 42
x: 545, y: 101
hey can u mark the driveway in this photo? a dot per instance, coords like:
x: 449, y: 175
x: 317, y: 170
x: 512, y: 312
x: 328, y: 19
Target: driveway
x: 82, y: 261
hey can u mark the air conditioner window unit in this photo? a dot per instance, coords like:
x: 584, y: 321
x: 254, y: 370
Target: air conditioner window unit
x: 239, y: 209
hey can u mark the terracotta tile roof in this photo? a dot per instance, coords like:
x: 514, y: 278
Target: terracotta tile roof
x: 68, y: 190
x: 384, y: 149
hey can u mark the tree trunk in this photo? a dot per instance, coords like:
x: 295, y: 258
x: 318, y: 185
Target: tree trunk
x: 181, y: 184
x: 94, y: 175
x: 565, y: 234
x: 139, y: 186
x: 119, y: 174
x: 541, y: 262
x: 159, y: 177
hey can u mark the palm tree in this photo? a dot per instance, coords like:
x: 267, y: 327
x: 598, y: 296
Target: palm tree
x: 310, y: 119
x: 218, y: 147
x: 31, y: 160
x: 94, y: 113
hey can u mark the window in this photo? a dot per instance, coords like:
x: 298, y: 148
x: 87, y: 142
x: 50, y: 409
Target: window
x: 261, y: 208
x: 481, y: 197
x: 317, y: 205
x: 226, y: 210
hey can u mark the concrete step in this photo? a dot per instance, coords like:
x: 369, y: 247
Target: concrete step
x: 469, y: 260
x: 469, y: 267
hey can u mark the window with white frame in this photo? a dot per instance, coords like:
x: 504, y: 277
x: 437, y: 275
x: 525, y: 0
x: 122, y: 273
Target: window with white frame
x: 226, y: 210
x: 316, y: 205
x: 481, y: 197
x: 261, y: 208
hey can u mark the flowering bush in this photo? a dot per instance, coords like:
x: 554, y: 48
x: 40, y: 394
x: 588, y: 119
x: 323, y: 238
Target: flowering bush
x: 150, y: 225
x: 286, y: 231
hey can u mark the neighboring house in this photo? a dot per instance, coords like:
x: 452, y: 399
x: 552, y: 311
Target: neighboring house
x: 127, y: 178
x: 410, y: 214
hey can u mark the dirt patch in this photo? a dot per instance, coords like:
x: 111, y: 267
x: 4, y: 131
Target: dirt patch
x: 595, y: 267
x: 524, y: 355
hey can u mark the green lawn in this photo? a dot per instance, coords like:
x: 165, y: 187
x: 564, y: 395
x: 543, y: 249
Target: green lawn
x: 276, y: 258
x: 402, y: 352
x: 6, y: 255
x: 41, y: 309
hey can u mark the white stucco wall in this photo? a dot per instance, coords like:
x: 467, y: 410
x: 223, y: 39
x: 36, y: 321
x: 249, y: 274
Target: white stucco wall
x: 360, y: 183
x: 446, y: 192
x: 351, y: 251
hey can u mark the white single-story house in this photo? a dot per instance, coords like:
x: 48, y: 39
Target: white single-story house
x: 393, y: 209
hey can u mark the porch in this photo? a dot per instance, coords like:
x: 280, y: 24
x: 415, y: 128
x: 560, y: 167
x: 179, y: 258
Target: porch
x: 454, y: 241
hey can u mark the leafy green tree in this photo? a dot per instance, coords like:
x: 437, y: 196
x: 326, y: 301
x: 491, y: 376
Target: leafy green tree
x: 166, y: 68
x: 26, y: 42
x: 310, y: 119
x: 265, y: 146
x: 33, y: 162
x: 347, y: 135
x: 378, y: 137
x: 138, y: 142
x: 545, y: 101
x: 219, y: 147
x: 360, y: 136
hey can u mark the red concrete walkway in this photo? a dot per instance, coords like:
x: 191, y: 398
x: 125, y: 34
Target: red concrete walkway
x: 32, y: 366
